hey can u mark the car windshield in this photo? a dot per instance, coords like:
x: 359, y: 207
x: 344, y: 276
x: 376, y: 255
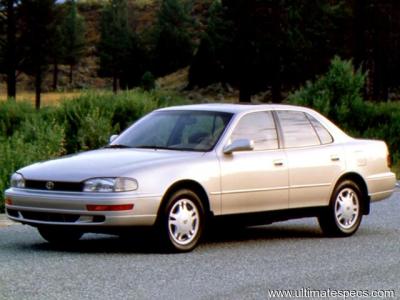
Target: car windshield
x: 175, y: 130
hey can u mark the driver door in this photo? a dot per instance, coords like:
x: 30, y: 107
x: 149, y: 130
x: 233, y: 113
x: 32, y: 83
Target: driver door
x: 256, y: 180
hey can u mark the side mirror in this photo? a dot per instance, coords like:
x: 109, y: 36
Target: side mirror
x: 239, y: 145
x: 112, y: 138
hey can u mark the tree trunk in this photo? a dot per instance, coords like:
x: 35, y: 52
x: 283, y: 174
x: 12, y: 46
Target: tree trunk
x: 276, y: 88
x: 11, y: 84
x: 11, y: 59
x: 369, y: 51
x: 244, y: 93
x: 359, y: 33
x: 276, y: 53
x: 38, y: 88
x: 276, y: 82
x: 71, y: 75
x: 244, y: 81
x: 245, y: 72
x: 369, y: 67
x: 55, y: 76
x: 115, y: 83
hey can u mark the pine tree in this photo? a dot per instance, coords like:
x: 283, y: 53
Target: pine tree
x: 377, y: 45
x: 37, y: 29
x: 260, y: 44
x: 214, y: 56
x: 115, y: 41
x: 73, y: 37
x: 9, y: 59
x: 56, y: 50
x: 174, y: 46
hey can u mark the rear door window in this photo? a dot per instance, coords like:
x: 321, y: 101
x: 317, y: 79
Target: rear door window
x: 297, y: 129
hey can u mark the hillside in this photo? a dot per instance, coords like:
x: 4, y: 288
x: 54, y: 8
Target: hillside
x: 142, y: 17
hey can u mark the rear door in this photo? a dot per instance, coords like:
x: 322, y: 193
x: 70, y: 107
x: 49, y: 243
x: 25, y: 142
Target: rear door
x: 314, y: 160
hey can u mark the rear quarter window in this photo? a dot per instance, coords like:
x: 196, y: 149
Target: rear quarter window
x: 323, y: 134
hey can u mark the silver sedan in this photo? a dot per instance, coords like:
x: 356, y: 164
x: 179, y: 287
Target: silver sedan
x: 179, y: 168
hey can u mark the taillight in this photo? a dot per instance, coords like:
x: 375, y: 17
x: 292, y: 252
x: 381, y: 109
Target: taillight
x: 118, y: 207
x: 389, y: 160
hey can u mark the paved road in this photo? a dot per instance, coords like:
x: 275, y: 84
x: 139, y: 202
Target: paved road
x: 243, y: 265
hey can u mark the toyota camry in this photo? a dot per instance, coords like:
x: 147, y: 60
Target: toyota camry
x: 177, y: 169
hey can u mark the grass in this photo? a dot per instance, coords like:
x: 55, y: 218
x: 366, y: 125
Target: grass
x: 47, y: 99
x: 142, y: 3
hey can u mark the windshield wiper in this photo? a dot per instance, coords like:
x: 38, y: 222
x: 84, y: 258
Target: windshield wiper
x: 153, y: 147
x: 117, y: 146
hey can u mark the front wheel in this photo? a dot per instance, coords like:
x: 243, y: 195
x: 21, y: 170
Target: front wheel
x: 182, y: 221
x: 343, y: 217
x: 59, y: 235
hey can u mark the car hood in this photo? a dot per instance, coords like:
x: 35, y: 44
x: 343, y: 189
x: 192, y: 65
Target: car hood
x: 103, y: 163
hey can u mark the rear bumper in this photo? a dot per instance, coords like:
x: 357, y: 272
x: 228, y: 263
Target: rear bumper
x: 37, y: 208
x: 381, y: 186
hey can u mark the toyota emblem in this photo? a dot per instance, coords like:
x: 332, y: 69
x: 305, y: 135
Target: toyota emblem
x: 50, y: 185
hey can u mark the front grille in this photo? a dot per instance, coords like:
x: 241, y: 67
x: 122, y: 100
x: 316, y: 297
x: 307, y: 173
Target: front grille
x: 55, y: 185
x: 49, y: 217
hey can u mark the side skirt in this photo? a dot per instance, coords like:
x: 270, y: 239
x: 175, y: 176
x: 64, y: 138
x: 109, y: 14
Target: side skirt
x: 268, y: 217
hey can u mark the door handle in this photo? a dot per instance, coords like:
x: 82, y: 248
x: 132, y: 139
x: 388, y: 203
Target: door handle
x: 278, y: 162
x: 335, y: 158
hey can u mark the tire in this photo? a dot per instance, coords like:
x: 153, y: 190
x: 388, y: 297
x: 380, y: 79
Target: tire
x: 344, y: 214
x: 59, y: 235
x: 182, y: 221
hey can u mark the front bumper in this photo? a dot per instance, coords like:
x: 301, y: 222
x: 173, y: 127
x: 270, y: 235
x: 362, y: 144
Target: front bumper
x: 37, y: 207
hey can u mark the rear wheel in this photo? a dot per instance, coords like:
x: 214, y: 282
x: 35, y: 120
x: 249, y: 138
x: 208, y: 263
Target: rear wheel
x: 182, y: 221
x: 59, y: 235
x: 343, y: 217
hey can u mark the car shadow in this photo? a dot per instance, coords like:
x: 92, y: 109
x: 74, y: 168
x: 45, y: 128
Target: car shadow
x: 265, y: 232
x: 101, y: 243
x: 148, y: 243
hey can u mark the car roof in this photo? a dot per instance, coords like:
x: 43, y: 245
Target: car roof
x: 236, y: 108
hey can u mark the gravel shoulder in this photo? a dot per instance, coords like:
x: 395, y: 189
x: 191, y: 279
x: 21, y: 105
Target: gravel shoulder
x: 4, y: 221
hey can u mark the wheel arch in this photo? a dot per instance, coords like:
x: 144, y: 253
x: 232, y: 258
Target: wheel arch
x: 359, y: 180
x: 190, y: 185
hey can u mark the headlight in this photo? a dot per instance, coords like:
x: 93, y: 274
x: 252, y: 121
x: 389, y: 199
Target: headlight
x: 107, y: 185
x: 17, y: 181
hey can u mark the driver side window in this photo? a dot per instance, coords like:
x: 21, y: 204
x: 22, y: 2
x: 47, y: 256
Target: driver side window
x: 259, y: 127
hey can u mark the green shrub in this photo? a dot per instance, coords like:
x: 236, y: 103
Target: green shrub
x: 337, y: 94
x: 90, y: 118
x: 130, y: 106
x: 12, y: 114
x: 95, y: 128
x: 381, y: 121
x: 35, y: 140
x: 77, y: 115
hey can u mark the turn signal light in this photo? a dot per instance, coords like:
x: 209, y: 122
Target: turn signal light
x: 8, y: 201
x: 118, y: 207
